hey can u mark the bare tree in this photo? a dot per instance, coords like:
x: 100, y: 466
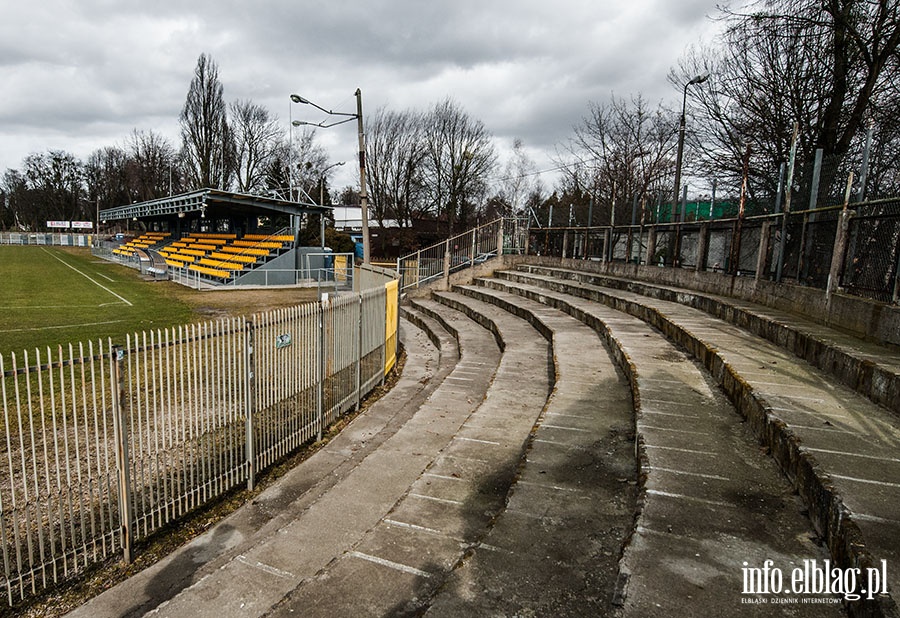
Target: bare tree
x: 623, y: 152
x: 49, y: 187
x: 206, y: 142
x: 828, y: 65
x: 106, y: 176
x: 460, y: 157
x: 17, y: 200
x: 395, y: 153
x: 308, y: 161
x: 520, y: 182
x: 153, y: 169
x: 257, y: 137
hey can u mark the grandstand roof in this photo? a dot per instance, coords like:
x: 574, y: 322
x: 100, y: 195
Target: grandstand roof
x: 223, y: 202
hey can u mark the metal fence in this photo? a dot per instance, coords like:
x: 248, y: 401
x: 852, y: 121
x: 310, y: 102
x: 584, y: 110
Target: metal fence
x: 855, y: 249
x: 107, y: 443
x: 41, y: 238
x: 475, y: 246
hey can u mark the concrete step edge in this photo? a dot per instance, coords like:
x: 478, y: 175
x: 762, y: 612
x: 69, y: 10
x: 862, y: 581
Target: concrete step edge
x: 877, y: 382
x: 831, y: 517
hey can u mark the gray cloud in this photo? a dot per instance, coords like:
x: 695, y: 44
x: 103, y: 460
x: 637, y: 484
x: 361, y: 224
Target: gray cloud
x: 80, y: 75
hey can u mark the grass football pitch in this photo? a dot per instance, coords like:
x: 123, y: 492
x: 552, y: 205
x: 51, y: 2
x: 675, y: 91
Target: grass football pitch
x: 52, y: 296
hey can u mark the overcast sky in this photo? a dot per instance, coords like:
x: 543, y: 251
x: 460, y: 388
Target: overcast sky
x: 82, y: 74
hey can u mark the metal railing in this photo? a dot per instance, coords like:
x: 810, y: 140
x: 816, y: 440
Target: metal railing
x: 107, y: 443
x: 42, y: 238
x: 464, y: 250
x: 854, y: 248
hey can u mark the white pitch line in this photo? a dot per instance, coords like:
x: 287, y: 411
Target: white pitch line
x: 881, y: 520
x: 681, y: 450
x: 868, y: 481
x: 390, y: 564
x: 36, y: 328
x: 566, y: 428
x: 667, y: 494
x: 435, y: 499
x: 694, y: 433
x: 668, y: 414
x: 698, y: 474
x: 98, y: 284
x: 403, y: 524
x: 476, y: 440
x: 589, y: 418
x: 265, y: 568
x: 33, y: 307
x: 831, y: 452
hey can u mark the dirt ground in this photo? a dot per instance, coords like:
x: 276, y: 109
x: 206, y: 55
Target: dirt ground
x: 225, y: 303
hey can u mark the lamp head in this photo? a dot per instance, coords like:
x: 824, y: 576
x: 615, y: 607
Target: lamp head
x: 699, y: 79
x: 296, y: 98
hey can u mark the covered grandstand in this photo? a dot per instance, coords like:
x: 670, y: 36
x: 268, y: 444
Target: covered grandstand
x: 217, y: 238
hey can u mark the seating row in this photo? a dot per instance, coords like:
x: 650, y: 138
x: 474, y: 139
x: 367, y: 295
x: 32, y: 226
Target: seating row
x: 221, y: 256
x: 144, y: 241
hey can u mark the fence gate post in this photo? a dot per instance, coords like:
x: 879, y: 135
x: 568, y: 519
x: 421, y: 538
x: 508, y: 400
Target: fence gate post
x: 250, y: 403
x: 320, y: 387
x: 359, y: 341
x: 120, y: 435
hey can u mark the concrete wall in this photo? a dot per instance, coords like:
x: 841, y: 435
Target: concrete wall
x: 859, y: 316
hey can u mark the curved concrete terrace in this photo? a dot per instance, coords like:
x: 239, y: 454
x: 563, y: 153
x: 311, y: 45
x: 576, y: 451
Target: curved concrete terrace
x: 572, y: 443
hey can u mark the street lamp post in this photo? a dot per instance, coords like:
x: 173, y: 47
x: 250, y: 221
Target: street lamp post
x: 678, y: 157
x: 363, y: 198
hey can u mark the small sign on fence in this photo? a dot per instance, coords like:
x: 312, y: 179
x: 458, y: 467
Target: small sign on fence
x: 283, y: 341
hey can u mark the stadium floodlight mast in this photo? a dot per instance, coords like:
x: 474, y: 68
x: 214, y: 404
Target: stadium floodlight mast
x: 347, y: 117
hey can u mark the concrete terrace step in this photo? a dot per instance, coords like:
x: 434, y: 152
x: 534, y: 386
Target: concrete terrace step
x: 257, y: 522
x: 869, y: 368
x: 396, y: 565
x: 554, y: 550
x: 247, y: 564
x: 838, y: 448
x: 443, y: 340
x: 711, y: 500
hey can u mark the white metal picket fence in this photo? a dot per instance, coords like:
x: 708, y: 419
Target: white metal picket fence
x: 106, y: 443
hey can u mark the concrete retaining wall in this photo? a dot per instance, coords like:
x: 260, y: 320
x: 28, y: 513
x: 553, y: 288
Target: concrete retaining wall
x: 862, y: 317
